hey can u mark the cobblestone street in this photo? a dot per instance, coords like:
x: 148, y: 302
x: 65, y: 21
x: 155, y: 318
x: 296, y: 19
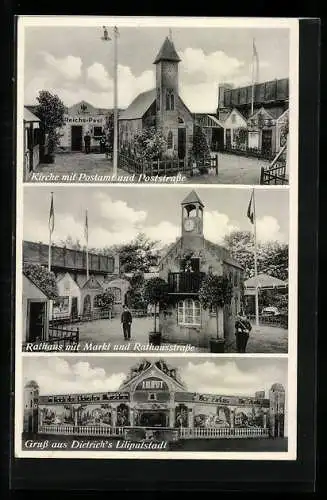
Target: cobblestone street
x: 232, y: 169
x: 266, y: 339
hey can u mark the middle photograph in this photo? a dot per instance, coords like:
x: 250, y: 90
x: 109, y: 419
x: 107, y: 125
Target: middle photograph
x: 160, y: 269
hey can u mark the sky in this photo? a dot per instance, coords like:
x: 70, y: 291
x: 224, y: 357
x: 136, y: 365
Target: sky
x: 117, y: 214
x: 75, y: 374
x: 76, y: 64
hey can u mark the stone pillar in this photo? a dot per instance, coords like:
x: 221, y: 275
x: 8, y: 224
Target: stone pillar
x: 232, y: 418
x: 191, y: 418
x: 131, y: 417
x: 172, y: 417
x: 221, y: 322
x: 40, y: 417
x: 265, y: 419
x: 76, y: 416
x: 114, y: 416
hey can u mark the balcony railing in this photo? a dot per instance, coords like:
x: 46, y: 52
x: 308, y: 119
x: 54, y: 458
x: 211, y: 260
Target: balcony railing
x: 187, y: 282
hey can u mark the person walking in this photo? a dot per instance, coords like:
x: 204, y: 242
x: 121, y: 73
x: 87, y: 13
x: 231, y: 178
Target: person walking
x: 126, y: 320
x: 102, y: 144
x: 87, y: 142
x: 242, y: 332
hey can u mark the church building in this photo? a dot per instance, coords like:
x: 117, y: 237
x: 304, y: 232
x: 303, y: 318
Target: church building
x: 184, y: 266
x: 161, y: 108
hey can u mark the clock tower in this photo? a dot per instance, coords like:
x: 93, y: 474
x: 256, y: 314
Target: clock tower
x: 192, y: 222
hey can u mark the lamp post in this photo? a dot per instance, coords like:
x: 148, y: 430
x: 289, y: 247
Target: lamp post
x: 106, y: 38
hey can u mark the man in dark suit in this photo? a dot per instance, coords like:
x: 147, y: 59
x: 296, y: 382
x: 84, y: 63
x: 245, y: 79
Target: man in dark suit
x: 87, y: 142
x: 126, y: 320
x: 242, y: 332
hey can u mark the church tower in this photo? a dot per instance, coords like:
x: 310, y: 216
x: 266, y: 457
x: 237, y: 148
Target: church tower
x: 277, y: 410
x: 192, y: 222
x: 31, y: 407
x: 166, y: 63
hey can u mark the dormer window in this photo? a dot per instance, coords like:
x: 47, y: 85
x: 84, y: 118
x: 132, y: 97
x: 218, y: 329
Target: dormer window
x: 152, y: 396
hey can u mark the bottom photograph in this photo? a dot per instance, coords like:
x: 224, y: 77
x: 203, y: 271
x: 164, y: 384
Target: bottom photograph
x: 124, y: 404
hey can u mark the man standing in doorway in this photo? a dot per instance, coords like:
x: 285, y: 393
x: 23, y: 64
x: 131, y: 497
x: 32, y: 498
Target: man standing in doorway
x: 87, y: 142
x: 126, y: 320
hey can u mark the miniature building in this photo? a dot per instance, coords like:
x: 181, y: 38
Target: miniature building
x: 162, y: 108
x: 31, y: 141
x: 31, y: 405
x: 183, y: 267
x: 153, y: 398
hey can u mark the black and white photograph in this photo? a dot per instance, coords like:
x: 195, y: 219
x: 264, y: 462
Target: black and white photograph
x: 168, y: 269
x: 156, y: 103
x: 120, y: 405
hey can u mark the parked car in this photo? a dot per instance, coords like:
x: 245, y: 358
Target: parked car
x: 270, y: 311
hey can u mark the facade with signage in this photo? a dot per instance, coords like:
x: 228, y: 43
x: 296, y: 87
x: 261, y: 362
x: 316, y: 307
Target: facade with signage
x: 80, y: 119
x: 154, y: 399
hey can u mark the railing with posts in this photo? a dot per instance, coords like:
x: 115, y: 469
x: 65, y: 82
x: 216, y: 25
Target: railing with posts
x: 185, y: 282
x: 81, y: 430
x: 152, y: 167
x: 275, y: 173
x: 91, y: 316
x: 223, y: 432
x: 59, y: 335
x: 280, y: 321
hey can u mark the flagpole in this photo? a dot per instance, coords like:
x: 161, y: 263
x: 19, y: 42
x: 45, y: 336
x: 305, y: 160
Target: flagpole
x: 255, y: 262
x: 50, y: 232
x: 252, y: 92
x: 115, y: 152
x: 87, y: 245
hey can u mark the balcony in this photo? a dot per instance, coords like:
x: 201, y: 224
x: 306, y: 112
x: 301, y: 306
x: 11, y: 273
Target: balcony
x: 187, y: 282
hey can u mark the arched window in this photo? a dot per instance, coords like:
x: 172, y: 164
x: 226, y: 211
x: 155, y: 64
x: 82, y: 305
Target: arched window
x: 158, y: 99
x: 170, y: 140
x: 170, y: 100
x: 189, y: 312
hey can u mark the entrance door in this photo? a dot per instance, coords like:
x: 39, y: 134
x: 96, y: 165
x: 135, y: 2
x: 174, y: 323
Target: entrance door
x: 74, y: 311
x: 153, y: 419
x: 217, y: 139
x: 266, y: 145
x: 77, y: 136
x: 181, y: 143
x: 87, y: 306
x: 228, y: 138
x: 36, y: 321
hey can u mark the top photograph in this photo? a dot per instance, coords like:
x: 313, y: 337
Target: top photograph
x: 141, y: 103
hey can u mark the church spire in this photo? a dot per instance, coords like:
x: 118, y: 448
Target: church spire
x: 167, y: 52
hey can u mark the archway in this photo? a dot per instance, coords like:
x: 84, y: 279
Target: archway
x: 87, y: 305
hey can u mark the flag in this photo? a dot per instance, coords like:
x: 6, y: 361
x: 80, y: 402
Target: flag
x: 255, y: 59
x: 51, y: 216
x: 250, y: 212
x: 86, y: 228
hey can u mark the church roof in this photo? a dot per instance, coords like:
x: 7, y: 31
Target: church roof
x: 167, y: 52
x: 139, y: 106
x: 192, y: 197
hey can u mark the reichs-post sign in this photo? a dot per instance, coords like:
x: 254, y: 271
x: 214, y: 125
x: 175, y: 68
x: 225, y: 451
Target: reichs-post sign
x: 84, y: 119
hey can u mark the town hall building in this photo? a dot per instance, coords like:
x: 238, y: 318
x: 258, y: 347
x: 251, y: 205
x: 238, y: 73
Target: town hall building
x: 161, y: 108
x: 183, y: 267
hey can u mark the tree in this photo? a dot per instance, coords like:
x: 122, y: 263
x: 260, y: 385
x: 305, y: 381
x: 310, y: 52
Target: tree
x: 201, y: 150
x: 156, y: 293
x: 109, y: 130
x: 135, y: 293
x: 272, y: 256
x: 42, y: 278
x: 138, y: 255
x: 149, y: 144
x: 72, y: 244
x: 50, y: 110
x: 105, y: 300
x: 215, y: 292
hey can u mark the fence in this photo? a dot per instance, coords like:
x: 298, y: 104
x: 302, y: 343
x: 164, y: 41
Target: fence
x: 78, y: 430
x: 223, y: 433
x: 248, y: 152
x: 164, y: 167
x: 274, y: 175
x: 91, y: 316
x: 280, y: 321
x: 59, y: 335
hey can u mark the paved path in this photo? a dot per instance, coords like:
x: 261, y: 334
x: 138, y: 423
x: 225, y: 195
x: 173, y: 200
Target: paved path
x: 267, y: 339
x: 232, y: 169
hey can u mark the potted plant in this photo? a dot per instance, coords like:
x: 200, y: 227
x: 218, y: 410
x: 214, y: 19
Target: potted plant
x: 216, y: 292
x: 156, y: 293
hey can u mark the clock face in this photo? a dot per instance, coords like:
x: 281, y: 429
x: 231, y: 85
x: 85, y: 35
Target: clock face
x: 189, y: 224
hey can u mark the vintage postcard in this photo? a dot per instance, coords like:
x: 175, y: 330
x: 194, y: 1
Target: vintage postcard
x: 156, y: 238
